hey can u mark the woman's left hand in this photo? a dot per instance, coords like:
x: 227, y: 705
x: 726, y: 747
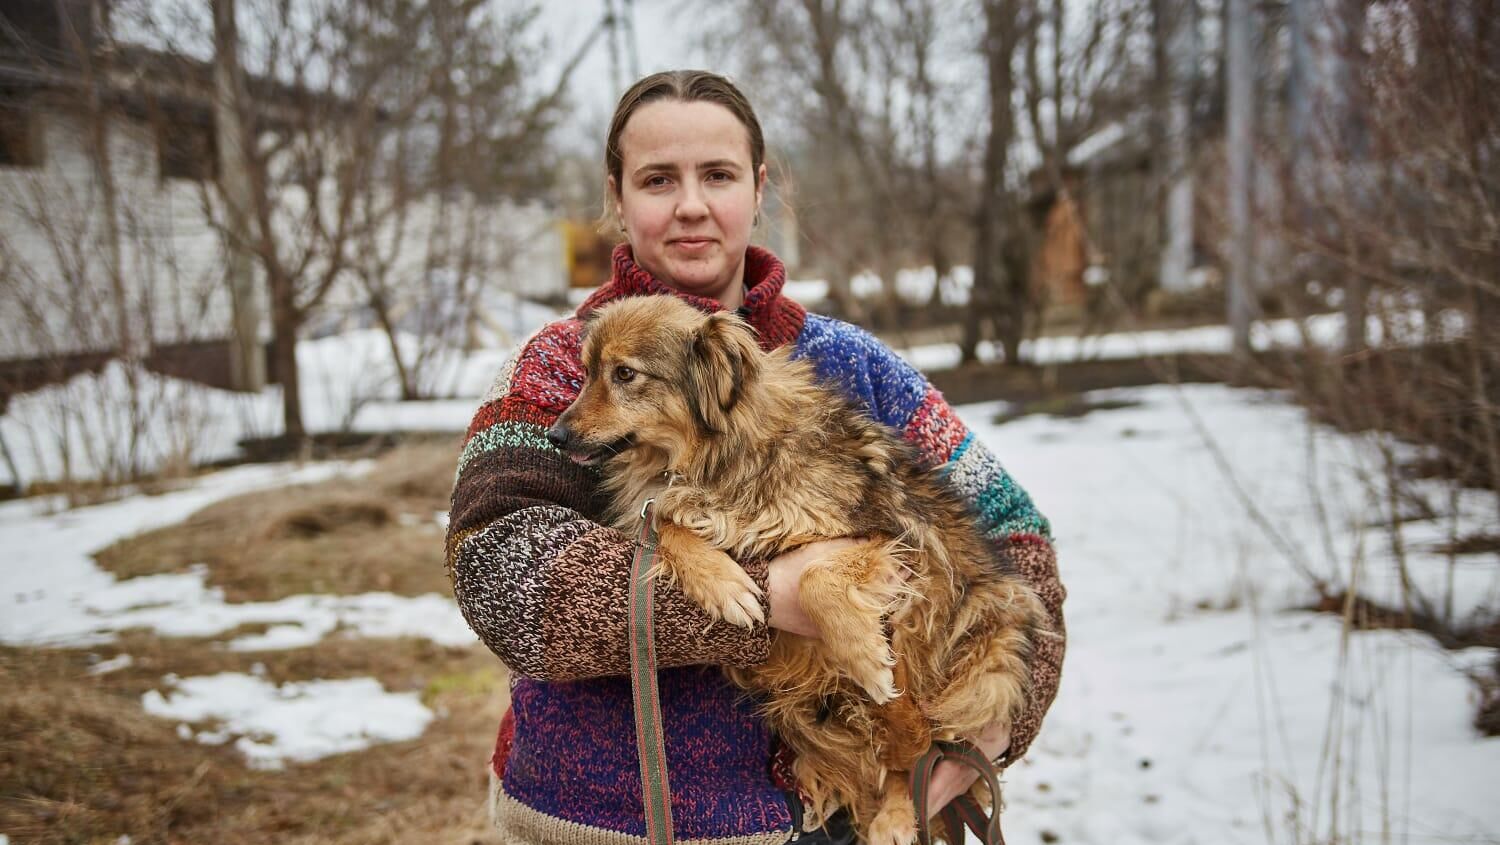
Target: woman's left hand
x: 951, y: 779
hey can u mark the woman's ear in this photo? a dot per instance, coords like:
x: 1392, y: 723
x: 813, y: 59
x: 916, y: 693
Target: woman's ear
x: 760, y: 185
x: 723, y: 361
x: 614, y: 197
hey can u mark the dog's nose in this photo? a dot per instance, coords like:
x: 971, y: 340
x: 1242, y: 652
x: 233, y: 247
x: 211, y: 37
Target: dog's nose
x: 557, y: 436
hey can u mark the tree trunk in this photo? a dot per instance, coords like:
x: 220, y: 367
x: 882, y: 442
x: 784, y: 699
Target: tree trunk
x: 285, y: 321
x: 1176, y: 63
x: 1240, y: 110
x: 990, y: 291
x: 1350, y: 146
x: 381, y: 307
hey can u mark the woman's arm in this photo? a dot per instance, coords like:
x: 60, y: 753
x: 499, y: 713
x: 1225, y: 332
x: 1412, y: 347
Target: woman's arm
x: 541, y: 582
x: 1019, y: 536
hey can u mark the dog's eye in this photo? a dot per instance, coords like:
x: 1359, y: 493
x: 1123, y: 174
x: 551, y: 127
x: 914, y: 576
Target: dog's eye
x: 624, y: 374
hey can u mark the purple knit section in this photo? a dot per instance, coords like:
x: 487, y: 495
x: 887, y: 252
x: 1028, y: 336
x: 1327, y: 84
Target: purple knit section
x: 717, y: 755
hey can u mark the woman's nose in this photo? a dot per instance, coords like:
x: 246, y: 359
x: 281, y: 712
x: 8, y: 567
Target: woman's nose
x: 691, y: 205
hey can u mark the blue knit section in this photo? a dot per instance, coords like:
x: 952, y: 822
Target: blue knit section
x: 862, y: 368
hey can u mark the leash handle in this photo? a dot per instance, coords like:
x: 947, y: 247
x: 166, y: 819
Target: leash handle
x: 963, y: 810
x: 656, y: 791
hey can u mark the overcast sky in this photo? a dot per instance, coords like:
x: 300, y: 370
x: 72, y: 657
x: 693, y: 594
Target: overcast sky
x: 663, y: 41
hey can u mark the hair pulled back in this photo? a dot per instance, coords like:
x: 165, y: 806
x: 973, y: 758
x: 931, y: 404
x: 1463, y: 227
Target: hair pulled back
x: 688, y: 86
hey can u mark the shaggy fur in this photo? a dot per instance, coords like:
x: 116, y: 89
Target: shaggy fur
x: 747, y: 456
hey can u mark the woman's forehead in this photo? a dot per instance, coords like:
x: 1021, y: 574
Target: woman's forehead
x: 683, y: 134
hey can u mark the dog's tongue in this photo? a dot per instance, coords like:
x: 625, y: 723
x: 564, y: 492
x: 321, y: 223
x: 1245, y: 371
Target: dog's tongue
x: 581, y: 460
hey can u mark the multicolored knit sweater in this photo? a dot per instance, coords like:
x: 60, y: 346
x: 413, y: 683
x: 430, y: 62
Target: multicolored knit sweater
x: 544, y: 585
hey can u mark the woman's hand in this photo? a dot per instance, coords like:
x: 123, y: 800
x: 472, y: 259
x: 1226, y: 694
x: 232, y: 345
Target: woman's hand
x: 784, y: 582
x: 951, y: 778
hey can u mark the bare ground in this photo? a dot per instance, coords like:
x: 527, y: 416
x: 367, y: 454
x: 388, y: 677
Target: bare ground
x: 81, y: 762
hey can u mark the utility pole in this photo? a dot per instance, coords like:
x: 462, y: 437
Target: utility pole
x: 1176, y: 26
x: 612, y: 23
x: 1240, y: 109
x: 247, y: 363
x: 629, y: 35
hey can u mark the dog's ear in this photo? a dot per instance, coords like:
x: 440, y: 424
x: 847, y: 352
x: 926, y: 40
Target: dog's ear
x: 723, y: 360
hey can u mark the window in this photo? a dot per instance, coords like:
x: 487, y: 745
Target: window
x: 20, y: 133
x: 186, y: 149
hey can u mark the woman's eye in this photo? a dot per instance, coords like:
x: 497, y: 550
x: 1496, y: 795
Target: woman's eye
x: 719, y: 176
x: 656, y: 181
x: 624, y: 374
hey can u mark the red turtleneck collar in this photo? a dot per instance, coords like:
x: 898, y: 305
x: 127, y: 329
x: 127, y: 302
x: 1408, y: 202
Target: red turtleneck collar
x: 776, y: 319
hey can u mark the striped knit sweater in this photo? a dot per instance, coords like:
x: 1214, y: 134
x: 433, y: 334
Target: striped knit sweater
x: 543, y: 584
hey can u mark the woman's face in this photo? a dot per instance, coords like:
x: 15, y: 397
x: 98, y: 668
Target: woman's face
x: 687, y: 195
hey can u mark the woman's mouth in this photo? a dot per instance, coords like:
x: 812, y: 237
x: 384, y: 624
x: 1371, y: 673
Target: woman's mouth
x: 693, y: 244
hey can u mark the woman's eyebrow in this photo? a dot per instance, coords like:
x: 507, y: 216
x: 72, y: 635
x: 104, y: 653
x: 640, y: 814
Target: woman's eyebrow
x: 655, y: 167
x: 720, y: 164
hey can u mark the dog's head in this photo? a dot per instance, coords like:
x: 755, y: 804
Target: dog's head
x: 658, y: 374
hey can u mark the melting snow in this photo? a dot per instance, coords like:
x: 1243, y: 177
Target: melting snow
x: 297, y: 721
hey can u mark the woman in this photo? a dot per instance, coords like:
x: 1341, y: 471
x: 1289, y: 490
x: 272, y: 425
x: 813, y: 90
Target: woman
x: 544, y: 585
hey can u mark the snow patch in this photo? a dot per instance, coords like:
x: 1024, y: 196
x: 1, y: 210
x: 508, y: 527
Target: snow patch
x: 298, y: 721
x: 114, y: 664
x: 53, y: 593
x: 1194, y: 705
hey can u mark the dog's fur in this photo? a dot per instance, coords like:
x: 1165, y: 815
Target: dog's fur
x: 747, y: 457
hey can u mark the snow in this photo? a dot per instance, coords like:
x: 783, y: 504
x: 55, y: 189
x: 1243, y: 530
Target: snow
x: 53, y: 593
x: 1321, y: 330
x: 82, y: 428
x: 913, y: 286
x: 114, y: 664
x: 1195, y: 706
x: 296, y: 721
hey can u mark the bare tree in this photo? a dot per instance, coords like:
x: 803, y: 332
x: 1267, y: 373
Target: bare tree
x: 865, y: 113
x: 360, y: 121
x: 1392, y: 156
x: 1000, y: 281
x: 474, y: 143
x: 1174, y: 29
x: 91, y: 267
x: 1241, y: 111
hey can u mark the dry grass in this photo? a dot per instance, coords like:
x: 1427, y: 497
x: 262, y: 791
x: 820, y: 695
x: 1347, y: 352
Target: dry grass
x: 80, y: 762
x: 380, y: 533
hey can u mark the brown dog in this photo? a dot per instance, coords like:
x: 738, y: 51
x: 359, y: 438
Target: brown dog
x: 748, y: 456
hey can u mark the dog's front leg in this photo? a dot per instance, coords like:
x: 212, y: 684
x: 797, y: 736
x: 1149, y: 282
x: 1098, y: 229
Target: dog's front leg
x: 847, y: 596
x: 708, y: 576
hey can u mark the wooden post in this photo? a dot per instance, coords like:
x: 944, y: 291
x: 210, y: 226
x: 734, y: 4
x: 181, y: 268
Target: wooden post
x: 247, y: 363
x: 1241, y: 115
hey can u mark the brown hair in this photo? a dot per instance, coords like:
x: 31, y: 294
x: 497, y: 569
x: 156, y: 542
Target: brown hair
x: 688, y: 86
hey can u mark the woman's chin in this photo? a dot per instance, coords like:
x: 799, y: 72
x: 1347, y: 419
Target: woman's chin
x: 699, y: 279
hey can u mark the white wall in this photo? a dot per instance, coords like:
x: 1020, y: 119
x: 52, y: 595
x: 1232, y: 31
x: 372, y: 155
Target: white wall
x: 53, y: 256
x: 56, y: 295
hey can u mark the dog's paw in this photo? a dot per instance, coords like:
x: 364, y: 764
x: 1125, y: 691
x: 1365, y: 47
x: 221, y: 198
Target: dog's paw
x: 893, y: 825
x: 871, y: 670
x: 728, y: 594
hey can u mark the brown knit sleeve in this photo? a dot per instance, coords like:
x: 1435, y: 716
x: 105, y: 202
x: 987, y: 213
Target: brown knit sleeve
x: 1036, y: 561
x: 541, y: 582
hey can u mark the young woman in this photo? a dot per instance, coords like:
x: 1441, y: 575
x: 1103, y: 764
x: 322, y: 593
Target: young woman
x: 544, y: 585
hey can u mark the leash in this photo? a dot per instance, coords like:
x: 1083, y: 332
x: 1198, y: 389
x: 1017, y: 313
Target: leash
x: 656, y: 790
x: 963, y: 810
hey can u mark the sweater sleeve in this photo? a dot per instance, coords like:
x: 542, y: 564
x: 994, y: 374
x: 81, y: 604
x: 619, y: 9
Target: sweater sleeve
x: 541, y: 582
x: 1018, y: 533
